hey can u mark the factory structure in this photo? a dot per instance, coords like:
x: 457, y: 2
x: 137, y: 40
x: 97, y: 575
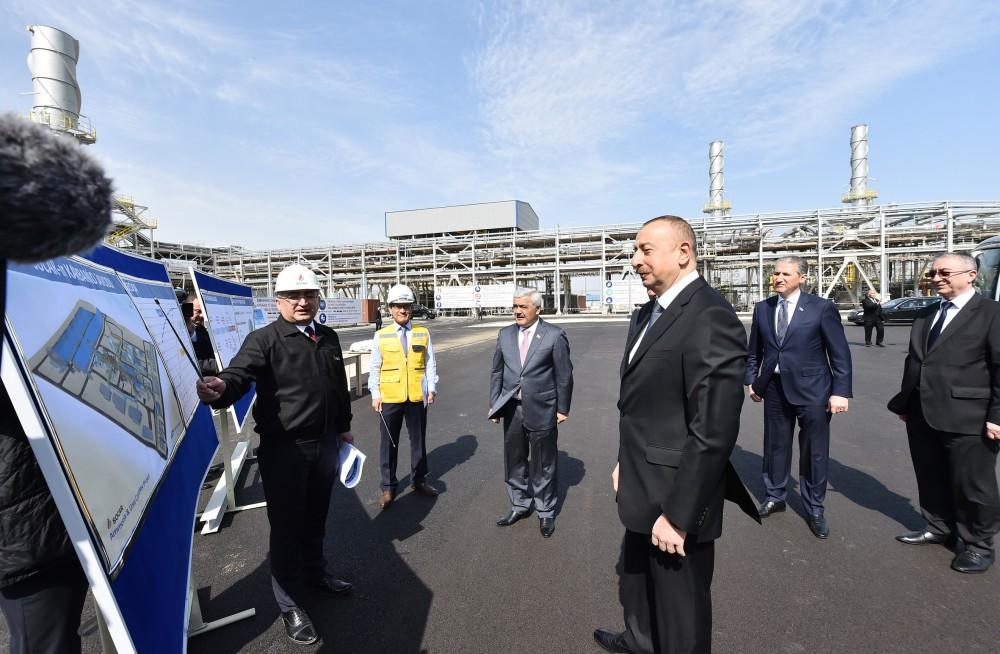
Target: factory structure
x: 850, y: 248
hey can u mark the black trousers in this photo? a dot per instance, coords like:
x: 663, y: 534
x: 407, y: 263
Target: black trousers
x: 298, y: 477
x: 956, y: 481
x: 530, y: 459
x: 879, y: 332
x: 780, y: 418
x: 667, y: 599
x: 43, y: 611
x: 415, y: 415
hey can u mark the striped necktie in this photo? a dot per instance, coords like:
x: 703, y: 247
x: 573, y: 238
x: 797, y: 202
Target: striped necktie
x: 311, y: 333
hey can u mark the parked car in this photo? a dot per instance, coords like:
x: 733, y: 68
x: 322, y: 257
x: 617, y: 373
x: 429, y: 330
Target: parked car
x: 898, y: 310
x: 420, y: 311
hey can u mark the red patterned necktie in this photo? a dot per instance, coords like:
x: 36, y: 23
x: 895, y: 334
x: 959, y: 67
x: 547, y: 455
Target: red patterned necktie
x: 311, y: 333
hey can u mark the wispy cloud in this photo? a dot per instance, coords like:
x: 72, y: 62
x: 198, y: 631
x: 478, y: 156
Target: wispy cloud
x: 558, y: 78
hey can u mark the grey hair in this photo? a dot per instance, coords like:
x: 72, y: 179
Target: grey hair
x: 530, y: 293
x: 967, y: 259
x: 799, y: 262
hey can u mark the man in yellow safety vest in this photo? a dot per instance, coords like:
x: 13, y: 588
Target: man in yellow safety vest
x: 403, y: 382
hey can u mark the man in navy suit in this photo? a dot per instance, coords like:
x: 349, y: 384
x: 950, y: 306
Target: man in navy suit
x: 799, y: 365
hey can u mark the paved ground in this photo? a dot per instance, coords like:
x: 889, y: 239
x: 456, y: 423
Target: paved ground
x: 438, y: 576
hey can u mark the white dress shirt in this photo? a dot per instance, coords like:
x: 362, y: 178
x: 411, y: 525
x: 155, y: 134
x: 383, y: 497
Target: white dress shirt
x: 793, y: 301
x: 957, y: 304
x: 664, y: 300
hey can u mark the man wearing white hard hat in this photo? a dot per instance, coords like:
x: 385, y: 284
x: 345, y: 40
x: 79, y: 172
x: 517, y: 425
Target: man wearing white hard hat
x: 303, y: 414
x: 403, y: 382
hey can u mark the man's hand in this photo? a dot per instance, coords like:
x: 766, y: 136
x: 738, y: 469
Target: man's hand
x: 210, y: 389
x: 836, y: 404
x: 903, y: 416
x: 667, y: 537
x: 377, y: 404
x: 614, y: 478
x: 495, y: 421
x: 993, y: 431
x: 561, y: 418
x: 347, y: 437
x: 753, y: 396
x: 430, y: 397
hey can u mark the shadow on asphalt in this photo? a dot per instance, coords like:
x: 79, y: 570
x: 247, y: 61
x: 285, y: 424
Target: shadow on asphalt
x: 571, y: 472
x: 870, y: 493
x: 857, y: 486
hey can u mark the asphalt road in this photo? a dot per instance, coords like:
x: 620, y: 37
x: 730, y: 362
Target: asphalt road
x: 437, y: 575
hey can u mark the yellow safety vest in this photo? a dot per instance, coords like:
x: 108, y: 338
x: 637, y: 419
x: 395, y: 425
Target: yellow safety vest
x: 402, y: 374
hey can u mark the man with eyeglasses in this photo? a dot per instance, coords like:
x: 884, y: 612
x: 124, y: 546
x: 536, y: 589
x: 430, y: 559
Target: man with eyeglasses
x: 402, y: 378
x: 950, y: 402
x: 303, y: 414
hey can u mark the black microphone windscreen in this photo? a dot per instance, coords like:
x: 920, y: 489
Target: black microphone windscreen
x: 54, y: 198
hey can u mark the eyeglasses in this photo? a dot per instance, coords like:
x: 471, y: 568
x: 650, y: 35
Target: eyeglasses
x: 944, y: 274
x: 295, y: 296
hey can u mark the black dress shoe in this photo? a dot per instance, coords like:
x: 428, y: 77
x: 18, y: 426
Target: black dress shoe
x: 425, y: 489
x: 547, y: 526
x: 923, y: 537
x: 880, y: 345
x: 771, y: 506
x: 818, y: 526
x: 298, y: 627
x: 332, y: 586
x: 511, y: 518
x: 868, y: 344
x: 971, y: 562
x: 612, y: 641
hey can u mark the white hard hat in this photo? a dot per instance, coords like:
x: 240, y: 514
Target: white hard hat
x: 296, y: 277
x: 400, y: 294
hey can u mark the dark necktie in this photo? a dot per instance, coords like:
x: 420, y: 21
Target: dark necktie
x: 311, y: 333
x: 938, y: 325
x: 782, y: 320
x: 657, y: 312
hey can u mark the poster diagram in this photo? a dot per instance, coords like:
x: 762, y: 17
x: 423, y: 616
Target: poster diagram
x: 110, y: 369
x: 230, y: 319
x: 98, y: 372
x: 158, y: 307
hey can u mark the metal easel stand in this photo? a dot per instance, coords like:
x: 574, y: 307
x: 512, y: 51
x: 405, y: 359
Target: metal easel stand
x: 197, y: 626
x: 223, y: 499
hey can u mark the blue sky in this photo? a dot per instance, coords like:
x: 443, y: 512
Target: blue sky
x: 300, y: 123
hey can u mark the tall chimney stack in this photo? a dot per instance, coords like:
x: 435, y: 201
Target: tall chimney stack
x: 859, y: 195
x: 717, y: 205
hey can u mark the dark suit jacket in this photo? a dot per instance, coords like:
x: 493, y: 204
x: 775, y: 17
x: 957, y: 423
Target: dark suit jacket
x: 959, y: 378
x: 680, y: 403
x: 814, y: 356
x: 872, y: 310
x: 545, y: 381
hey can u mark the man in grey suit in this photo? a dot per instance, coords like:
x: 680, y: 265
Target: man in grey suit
x: 531, y: 386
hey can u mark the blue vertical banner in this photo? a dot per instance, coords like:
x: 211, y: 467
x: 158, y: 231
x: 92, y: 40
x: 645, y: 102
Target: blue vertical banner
x: 229, y: 318
x: 101, y: 372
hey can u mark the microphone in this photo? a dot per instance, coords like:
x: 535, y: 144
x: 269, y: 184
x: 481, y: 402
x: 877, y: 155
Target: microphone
x: 55, y: 199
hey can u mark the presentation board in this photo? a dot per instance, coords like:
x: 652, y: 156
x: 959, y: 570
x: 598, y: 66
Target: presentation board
x: 454, y: 297
x: 494, y: 295
x: 103, y: 388
x: 333, y: 312
x: 229, y: 310
x: 624, y: 294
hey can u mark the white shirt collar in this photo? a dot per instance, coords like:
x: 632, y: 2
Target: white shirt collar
x: 399, y: 327
x: 793, y: 299
x: 961, y: 300
x: 302, y: 328
x: 531, y: 329
x: 671, y: 293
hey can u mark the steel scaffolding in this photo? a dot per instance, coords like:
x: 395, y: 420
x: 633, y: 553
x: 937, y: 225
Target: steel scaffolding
x: 848, y: 248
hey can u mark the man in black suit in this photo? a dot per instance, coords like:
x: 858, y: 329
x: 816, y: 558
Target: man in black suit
x: 799, y: 365
x: 950, y: 402
x: 680, y: 405
x: 873, y: 318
